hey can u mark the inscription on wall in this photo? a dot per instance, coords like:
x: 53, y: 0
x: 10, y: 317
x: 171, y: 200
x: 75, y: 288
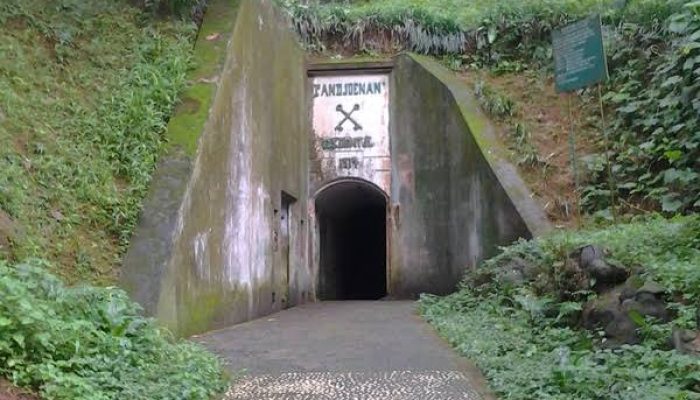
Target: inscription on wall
x: 351, y: 127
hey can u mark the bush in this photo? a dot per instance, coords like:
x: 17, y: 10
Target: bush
x: 655, y: 91
x: 525, y: 343
x: 93, y: 343
x: 525, y: 359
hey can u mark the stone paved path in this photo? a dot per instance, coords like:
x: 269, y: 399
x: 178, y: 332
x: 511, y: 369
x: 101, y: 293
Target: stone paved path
x: 345, y: 350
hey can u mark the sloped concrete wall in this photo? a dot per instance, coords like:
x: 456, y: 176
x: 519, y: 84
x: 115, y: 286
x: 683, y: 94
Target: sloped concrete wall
x: 219, y: 260
x: 455, y: 196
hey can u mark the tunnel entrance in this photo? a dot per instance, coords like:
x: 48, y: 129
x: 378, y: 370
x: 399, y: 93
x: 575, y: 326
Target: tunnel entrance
x: 353, y: 247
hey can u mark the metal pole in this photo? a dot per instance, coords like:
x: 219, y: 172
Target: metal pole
x: 574, y: 166
x: 606, y: 139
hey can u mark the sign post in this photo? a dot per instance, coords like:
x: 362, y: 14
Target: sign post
x: 579, y: 58
x: 579, y: 55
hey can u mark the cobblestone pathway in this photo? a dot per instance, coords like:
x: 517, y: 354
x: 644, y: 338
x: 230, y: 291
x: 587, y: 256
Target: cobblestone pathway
x: 344, y: 350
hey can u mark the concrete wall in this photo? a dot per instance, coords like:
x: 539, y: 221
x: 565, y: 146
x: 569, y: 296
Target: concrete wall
x: 360, y: 151
x: 455, y: 196
x: 218, y: 258
x: 229, y: 232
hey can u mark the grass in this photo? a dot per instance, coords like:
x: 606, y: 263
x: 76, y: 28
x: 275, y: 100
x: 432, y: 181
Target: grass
x: 461, y: 14
x: 526, y: 353
x: 442, y: 27
x: 86, y: 89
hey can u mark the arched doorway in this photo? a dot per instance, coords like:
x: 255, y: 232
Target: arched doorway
x: 351, y: 217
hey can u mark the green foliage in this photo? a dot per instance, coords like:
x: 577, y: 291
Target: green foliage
x: 668, y: 251
x: 495, y: 104
x: 523, y: 340
x: 86, y: 89
x: 502, y: 108
x: 527, y: 359
x: 181, y: 8
x: 654, y: 50
x: 92, y: 343
x: 655, y: 92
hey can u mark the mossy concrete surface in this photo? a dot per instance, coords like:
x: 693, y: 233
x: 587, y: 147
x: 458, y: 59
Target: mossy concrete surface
x: 187, y: 123
x: 456, y: 198
x: 484, y: 133
x: 210, y: 249
x: 206, y: 253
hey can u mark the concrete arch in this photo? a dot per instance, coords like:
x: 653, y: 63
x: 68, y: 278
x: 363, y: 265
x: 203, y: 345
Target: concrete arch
x: 351, y: 240
x: 350, y: 179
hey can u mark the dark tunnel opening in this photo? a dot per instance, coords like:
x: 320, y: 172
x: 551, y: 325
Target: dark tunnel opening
x: 352, y: 228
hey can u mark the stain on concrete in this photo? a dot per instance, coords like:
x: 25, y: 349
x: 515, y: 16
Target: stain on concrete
x: 458, y: 202
x: 203, y: 256
x: 206, y: 253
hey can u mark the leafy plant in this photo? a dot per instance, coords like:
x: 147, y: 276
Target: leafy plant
x: 524, y: 341
x: 181, y: 8
x: 656, y: 96
x: 93, y: 343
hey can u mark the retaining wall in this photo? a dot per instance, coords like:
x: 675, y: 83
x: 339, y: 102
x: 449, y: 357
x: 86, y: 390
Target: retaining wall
x: 205, y: 253
x: 456, y: 197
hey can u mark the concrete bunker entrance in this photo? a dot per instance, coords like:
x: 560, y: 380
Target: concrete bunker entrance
x: 352, y: 216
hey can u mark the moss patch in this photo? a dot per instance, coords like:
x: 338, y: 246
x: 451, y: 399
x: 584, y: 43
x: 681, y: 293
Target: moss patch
x: 189, y: 118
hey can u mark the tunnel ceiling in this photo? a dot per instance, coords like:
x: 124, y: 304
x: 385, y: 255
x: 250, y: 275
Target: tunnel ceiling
x: 345, y: 197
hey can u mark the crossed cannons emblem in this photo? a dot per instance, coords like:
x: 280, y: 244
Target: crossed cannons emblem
x: 347, y: 116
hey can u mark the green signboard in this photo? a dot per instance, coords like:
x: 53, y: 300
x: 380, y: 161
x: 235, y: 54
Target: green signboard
x: 579, y: 56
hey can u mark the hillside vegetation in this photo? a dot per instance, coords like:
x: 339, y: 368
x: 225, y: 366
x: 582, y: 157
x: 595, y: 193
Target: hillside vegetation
x: 654, y: 57
x: 86, y: 91
x: 528, y: 336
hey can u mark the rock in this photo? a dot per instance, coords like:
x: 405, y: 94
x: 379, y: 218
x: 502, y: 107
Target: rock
x: 629, y: 289
x: 57, y: 215
x: 686, y: 341
x: 612, y: 312
x: 620, y: 331
x: 653, y: 288
x: 628, y: 292
x: 606, y: 274
x: 648, y: 307
x: 590, y: 254
x: 607, y: 314
x: 648, y: 301
x: 517, y: 272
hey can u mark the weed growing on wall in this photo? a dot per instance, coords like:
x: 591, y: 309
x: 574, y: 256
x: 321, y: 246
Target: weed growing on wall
x: 93, y: 344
